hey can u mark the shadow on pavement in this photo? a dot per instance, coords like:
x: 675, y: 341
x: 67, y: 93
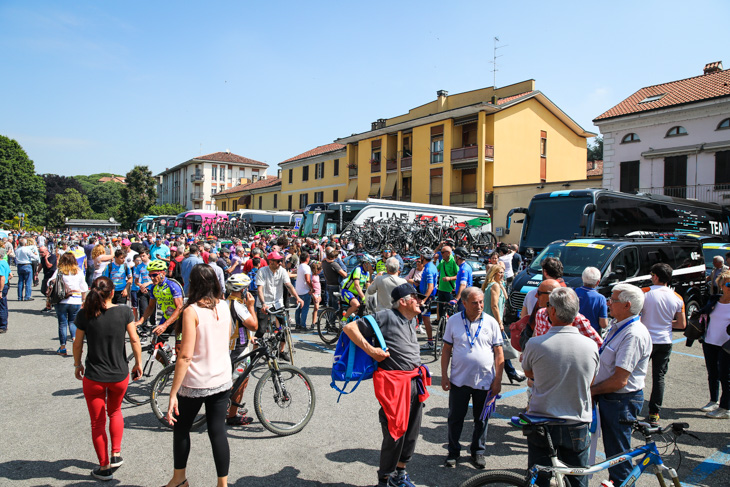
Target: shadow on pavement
x: 288, y: 476
x: 20, y: 353
x: 39, y: 470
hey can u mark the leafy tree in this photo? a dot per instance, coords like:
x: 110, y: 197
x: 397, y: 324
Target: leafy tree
x: 105, y: 198
x: 56, y: 184
x: 595, y: 150
x: 138, y: 195
x: 70, y: 204
x: 166, y: 209
x: 92, y: 180
x: 21, y: 189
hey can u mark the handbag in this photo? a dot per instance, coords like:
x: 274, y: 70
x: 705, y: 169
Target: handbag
x: 57, y: 293
x: 508, y: 350
x: 696, y: 326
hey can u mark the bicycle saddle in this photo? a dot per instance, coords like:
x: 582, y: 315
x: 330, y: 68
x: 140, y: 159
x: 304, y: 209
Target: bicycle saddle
x: 534, y: 420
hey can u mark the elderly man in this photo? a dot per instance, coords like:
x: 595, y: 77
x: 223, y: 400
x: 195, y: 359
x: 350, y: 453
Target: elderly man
x: 5, y: 276
x: 562, y: 364
x: 186, y: 266
x: 718, y: 266
x: 396, y: 381
x: 619, y: 385
x: 592, y: 303
x: 473, y: 344
x: 213, y: 262
x: 384, y: 284
x: 552, y: 268
x: 542, y: 317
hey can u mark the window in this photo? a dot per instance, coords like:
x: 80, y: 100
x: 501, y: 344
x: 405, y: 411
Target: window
x: 215, y: 173
x: 230, y: 173
x: 303, y: 200
x: 289, y: 200
x: 275, y: 202
x: 628, y: 259
x: 261, y: 202
x: 406, y: 146
x: 235, y: 205
x: 319, y: 197
x: 223, y: 206
x: 437, y: 144
x: 629, y: 177
x: 436, y: 186
x: 725, y: 124
x: 632, y: 137
x: 543, y: 144
x: 319, y: 170
x: 291, y: 175
x: 335, y: 195
x: 675, y: 176
x: 652, y: 98
x: 336, y: 167
x: 469, y: 181
x: 543, y: 156
x: 722, y: 170
x: 305, y: 174
x: 675, y: 131
x: 222, y: 173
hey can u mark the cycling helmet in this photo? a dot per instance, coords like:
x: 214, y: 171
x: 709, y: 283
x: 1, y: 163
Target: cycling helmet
x: 368, y: 259
x: 157, y: 266
x: 237, y: 282
x: 461, y: 252
x: 426, y: 253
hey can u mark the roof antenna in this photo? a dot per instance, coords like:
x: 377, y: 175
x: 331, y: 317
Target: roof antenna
x: 493, y: 62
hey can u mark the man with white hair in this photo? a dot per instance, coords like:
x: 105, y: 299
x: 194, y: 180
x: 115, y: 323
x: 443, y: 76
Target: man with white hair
x: 592, y: 303
x: 384, y: 284
x: 718, y: 264
x: 619, y: 385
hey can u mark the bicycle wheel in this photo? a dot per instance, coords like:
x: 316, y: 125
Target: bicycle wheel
x: 284, y: 400
x: 496, y: 478
x: 138, y: 391
x: 438, y: 337
x: 160, y: 397
x: 328, y: 326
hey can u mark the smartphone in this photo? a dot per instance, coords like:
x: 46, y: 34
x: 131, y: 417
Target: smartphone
x: 136, y: 374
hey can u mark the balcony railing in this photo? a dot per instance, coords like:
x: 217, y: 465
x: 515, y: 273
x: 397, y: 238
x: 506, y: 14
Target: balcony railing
x: 406, y: 163
x: 399, y: 196
x: 463, y: 199
x: 472, y: 152
x: 391, y: 165
x: 352, y: 172
x: 707, y: 193
x: 435, y: 198
x: 197, y: 196
x: 375, y: 166
x: 197, y: 177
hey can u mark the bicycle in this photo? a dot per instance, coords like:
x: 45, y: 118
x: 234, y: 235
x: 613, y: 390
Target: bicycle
x: 535, y: 425
x: 272, y: 324
x: 329, y: 321
x: 284, y: 398
x: 159, y: 356
x: 448, y: 310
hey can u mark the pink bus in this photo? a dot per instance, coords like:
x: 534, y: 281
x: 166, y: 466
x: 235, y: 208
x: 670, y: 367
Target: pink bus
x: 198, y: 222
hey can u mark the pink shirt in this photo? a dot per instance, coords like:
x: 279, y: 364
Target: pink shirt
x: 316, y: 285
x: 211, y: 364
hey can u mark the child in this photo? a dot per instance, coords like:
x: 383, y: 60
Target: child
x: 316, y: 288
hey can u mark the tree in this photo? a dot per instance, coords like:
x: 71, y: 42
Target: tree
x: 138, y: 195
x: 21, y: 189
x: 70, y: 204
x: 595, y: 150
x: 56, y: 184
x: 105, y: 198
x: 166, y: 209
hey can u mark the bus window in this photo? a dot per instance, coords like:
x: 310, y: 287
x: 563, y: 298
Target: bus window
x: 552, y: 219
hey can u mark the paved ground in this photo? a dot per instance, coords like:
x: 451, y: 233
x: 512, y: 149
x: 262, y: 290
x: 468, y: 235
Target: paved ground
x: 45, y: 433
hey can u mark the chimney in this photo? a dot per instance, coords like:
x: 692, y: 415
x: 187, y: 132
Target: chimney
x: 713, y: 67
x: 441, y: 96
x: 378, y: 124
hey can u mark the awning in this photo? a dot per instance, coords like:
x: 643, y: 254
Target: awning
x: 390, y: 183
x: 244, y: 200
x: 672, y: 151
x: 374, y: 187
x: 351, y: 190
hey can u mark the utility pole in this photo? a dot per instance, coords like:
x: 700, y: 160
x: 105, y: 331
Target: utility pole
x: 493, y: 62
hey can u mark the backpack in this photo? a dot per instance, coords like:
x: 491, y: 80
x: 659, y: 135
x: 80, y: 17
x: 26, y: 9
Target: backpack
x: 177, y: 272
x: 352, y: 363
x: 58, y: 292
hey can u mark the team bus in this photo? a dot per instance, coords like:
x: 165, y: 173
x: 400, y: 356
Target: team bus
x: 144, y: 223
x: 604, y: 213
x: 261, y: 219
x: 333, y: 218
x: 197, y: 222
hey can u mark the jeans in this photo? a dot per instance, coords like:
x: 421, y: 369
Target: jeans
x: 25, y: 281
x: 659, y: 364
x: 66, y: 315
x: 458, y: 406
x: 613, y: 408
x: 300, y: 315
x: 718, y: 373
x: 4, y: 307
x: 572, y: 441
x: 331, y: 290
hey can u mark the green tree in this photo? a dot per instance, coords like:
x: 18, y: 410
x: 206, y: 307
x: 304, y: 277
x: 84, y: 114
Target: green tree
x: 21, y: 189
x: 138, y: 195
x: 105, y: 198
x: 166, y: 209
x: 595, y: 150
x: 70, y: 204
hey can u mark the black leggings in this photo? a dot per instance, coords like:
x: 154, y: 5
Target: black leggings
x: 216, y: 407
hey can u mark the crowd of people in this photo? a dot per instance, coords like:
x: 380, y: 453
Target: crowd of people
x: 585, y: 357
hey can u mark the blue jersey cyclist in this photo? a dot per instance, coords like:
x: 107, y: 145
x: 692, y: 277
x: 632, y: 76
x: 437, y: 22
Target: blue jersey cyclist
x: 464, y: 276
x: 428, y: 287
x: 353, y: 287
x: 167, y: 293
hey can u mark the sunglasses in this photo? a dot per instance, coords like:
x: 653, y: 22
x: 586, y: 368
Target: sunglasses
x: 155, y: 274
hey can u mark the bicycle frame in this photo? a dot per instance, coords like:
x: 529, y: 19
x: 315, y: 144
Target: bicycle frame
x: 258, y: 354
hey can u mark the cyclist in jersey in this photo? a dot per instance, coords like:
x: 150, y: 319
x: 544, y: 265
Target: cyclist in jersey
x: 167, y: 293
x: 243, y: 314
x: 121, y: 276
x: 353, y: 287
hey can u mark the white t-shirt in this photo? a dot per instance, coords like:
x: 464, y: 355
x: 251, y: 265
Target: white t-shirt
x: 530, y: 300
x: 129, y: 258
x: 301, y: 286
x: 273, y: 285
x: 75, y: 284
x: 661, y: 304
x: 717, y: 331
x: 472, y: 366
x: 506, y: 261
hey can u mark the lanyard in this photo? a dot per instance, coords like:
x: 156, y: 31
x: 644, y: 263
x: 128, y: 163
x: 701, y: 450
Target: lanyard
x: 468, y: 332
x: 600, y: 350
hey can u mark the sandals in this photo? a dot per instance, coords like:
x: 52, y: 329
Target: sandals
x: 181, y: 484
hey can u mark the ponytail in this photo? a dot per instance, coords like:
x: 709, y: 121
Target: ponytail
x: 101, y: 290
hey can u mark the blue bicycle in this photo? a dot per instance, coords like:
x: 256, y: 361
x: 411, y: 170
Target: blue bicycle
x: 649, y: 457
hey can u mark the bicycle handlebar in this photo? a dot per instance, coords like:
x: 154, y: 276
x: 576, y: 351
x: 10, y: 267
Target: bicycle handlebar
x: 648, y: 430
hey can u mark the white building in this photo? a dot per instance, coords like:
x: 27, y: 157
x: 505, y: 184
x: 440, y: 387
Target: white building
x: 672, y: 138
x: 193, y: 183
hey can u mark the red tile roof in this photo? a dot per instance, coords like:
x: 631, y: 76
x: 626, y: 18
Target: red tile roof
x: 230, y: 157
x: 261, y: 183
x: 502, y: 101
x: 322, y: 149
x: 116, y: 179
x: 690, y: 90
x: 595, y: 168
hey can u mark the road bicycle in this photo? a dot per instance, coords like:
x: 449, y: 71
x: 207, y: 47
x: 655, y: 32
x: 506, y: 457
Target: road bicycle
x: 329, y: 321
x: 159, y: 356
x: 284, y: 398
x: 447, y: 310
x: 651, y: 458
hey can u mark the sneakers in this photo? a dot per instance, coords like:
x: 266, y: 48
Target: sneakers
x: 100, y: 474
x: 61, y: 351
x: 117, y: 461
x: 653, y: 419
x: 479, y: 461
x: 400, y: 480
x: 427, y: 346
x: 284, y: 356
x: 451, y: 461
x: 710, y: 406
x: 719, y: 413
x: 239, y: 420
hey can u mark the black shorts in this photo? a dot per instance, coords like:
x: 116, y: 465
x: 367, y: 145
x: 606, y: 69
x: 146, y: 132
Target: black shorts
x: 118, y: 298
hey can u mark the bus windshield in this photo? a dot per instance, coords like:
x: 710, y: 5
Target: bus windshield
x: 550, y: 219
x: 575, y: 255
x: 307, y: 222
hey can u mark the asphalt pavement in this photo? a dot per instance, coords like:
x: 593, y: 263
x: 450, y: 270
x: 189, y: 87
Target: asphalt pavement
x: 45, y: 435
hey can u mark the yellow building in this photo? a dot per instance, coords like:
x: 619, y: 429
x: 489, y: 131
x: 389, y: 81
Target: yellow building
x: 262, y: 194
x: 458, y: 149
x: 319, y: 175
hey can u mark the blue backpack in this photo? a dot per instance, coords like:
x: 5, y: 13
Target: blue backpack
x: 352, y: 363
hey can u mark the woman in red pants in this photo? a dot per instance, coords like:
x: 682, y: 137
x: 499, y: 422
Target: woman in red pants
x: 106, y: 374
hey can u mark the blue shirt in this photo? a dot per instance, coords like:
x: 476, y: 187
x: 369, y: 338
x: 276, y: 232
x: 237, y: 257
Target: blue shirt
x: 141, y: 275
x: 159, y: 251
x: 5, y: 271
x: 118, y: 274
x: 186, y: 266
x: 429, y: 275
x: 464, y: 275
x: 592, y: 306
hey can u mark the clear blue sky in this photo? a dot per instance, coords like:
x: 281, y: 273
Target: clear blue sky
x: 102, y: 86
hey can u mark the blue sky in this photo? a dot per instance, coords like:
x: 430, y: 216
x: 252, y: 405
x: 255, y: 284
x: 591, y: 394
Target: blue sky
x: 103, y: 86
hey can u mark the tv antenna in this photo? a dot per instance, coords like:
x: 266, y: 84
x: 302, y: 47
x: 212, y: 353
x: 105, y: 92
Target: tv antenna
x: 493, y: 62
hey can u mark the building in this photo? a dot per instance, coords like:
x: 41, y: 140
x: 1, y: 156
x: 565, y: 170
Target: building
x: 193, y: 183
x: 672, y: 138
x: 316, y: 176
x: 90, y: 226
x: 113, y: 179
x: 262, y: 194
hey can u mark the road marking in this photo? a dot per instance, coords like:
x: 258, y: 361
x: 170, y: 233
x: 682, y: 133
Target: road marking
x: 689, y: 355
x: 709, y: 466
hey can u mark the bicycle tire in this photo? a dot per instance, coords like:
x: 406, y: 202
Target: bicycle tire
x: 327, y: 326
x: 159, y: 397
x: 496, y: 478
x: 138, y: 391
x: 438, y: 337
x: 284, y: 413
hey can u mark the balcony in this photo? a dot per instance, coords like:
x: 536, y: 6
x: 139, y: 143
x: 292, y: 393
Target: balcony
x: 197, y: 196
x: 374, y: 165
x: 470, y: 154
x: 464, y: 199
x: 435, y: 198
x: 391, y: 165
x: 197, y: 177
x: 406, y: 163
x: 706, y: 193
x: 352, y: 171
